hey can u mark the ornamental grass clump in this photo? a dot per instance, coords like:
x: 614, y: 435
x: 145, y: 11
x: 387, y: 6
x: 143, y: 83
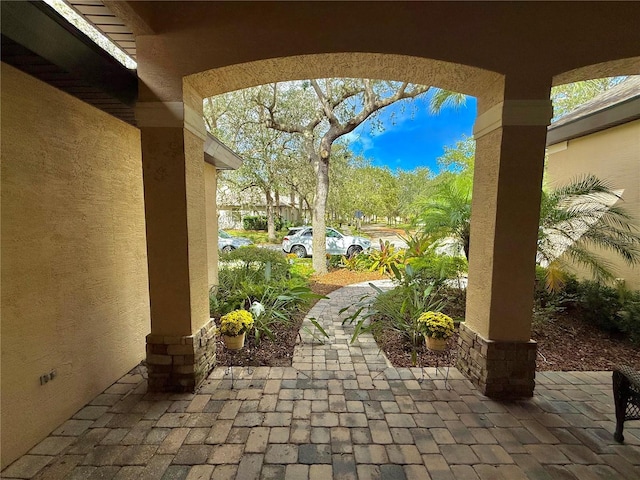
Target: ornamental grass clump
x: 236, y: 323
x: 436, y: 325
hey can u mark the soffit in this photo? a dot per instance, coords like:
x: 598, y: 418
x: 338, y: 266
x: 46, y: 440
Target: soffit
x: 100, y: 16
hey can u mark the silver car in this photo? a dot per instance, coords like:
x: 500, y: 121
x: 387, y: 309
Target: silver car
x: 300, y: 244
x: 227, y: 242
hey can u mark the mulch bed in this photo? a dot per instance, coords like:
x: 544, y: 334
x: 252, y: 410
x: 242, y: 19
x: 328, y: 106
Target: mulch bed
x: 564, y: 343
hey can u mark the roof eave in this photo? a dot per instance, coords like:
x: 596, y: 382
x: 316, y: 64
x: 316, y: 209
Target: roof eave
x: 617, y: 114
x: 219, y: 155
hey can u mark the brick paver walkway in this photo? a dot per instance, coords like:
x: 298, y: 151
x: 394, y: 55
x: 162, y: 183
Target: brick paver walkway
x: 340, y: 412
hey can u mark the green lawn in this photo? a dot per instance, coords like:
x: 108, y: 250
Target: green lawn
x: 257, y: 236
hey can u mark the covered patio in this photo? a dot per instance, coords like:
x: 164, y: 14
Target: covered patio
x: 340, y: 411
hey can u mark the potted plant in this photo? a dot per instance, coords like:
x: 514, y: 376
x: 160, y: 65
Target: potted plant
x: 437, y: 328
x: 233, y: 327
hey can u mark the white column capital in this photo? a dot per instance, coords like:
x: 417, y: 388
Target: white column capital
x: 514, y: 113
x: 171, y: 115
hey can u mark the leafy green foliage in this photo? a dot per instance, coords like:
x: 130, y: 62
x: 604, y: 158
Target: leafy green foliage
x: 611, y: 309
x: 252, y: 275
x: 317, y: 332
x: 252, y: 264
x: 581, y: 215
x: 398, y: 309
x: 259, y: 222
x: 360, y: 262
x: 574, y: 219
x: 257, y: 236
x: 446, y: 214
x: 387, y: 259
x: 279, y: 303
x: 300, y: 267
x: 568, y: 97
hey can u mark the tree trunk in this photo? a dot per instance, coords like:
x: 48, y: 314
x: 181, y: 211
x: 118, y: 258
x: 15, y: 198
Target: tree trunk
x: 321, y: 166
x: 271, y: 231
x: 309, y: 209
x: 278, y: 207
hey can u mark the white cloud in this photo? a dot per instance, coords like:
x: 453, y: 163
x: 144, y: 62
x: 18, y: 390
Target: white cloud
x: 359, y: 140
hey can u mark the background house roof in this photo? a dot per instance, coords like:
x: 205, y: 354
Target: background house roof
x: 620, y: 104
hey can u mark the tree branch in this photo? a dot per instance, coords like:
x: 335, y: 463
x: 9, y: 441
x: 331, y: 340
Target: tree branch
x: 326, y: 106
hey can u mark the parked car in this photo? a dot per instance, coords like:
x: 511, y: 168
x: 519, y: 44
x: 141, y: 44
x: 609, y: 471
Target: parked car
x: 293, y: 230
x: 227, y: 242
x: 300, y: 243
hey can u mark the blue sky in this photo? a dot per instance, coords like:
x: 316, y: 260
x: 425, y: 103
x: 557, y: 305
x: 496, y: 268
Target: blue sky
x: 416, y: 137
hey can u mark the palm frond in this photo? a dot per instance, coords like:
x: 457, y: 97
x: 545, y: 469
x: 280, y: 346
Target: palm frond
x: 445, y: 98
x: 582, y: 216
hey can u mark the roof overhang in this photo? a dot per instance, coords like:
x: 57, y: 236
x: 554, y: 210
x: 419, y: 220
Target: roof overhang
x: 601, y: 120
x: 40, y: 42
x: 219, y: 155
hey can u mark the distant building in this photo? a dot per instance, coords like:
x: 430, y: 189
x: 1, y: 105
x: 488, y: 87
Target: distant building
x: 602, y: 137
x: 234, y: 206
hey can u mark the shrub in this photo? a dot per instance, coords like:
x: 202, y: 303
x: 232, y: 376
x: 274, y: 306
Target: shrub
x: 254, y: 275
x: 386, y: 260
x: 431, y: 266
x: 611, y: 309
x: 255, y: 263
x: 358, y: 263
x: 254, y: 222
x: 398, y: 309
x: 259, y: 222
x: 335, y: 261
x: 300, y: 267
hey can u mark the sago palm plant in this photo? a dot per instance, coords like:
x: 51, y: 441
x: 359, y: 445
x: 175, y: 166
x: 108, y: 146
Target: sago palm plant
x: 578, y: 219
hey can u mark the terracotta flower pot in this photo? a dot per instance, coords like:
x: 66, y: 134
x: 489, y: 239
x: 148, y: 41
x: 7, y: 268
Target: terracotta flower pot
x: 436, y: 344
x: 234, y: 343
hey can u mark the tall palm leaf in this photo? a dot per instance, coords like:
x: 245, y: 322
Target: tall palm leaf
x: 446, y: 213
x: 445, y: 98
x: 581, y: 216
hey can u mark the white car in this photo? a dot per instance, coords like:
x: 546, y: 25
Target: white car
x: 227, y: 242
x: 300, y: 243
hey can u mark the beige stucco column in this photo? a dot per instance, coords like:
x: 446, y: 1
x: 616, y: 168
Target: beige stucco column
x: 180, y: 348
x: 496, y: 352
x: 211, y: 186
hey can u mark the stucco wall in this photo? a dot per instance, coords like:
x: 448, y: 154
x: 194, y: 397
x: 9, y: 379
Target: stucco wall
x: 612, y: 155
x: 210, y: 188
x: 74, y: 271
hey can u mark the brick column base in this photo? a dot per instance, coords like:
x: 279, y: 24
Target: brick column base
x: 498, y: 369
x: 180, y: 364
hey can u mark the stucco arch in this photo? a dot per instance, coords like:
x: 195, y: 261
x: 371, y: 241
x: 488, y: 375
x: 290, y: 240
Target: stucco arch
x: 624, y: 66
x: 477, y: 82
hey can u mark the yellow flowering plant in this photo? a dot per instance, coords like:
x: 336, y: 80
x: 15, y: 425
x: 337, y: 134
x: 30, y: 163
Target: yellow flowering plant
x: 236, y: 323
x: 436, y: 325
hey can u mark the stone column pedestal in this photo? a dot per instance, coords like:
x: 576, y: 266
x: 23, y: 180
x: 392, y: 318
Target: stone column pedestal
x: 181, y: 363
x: 499, y: 369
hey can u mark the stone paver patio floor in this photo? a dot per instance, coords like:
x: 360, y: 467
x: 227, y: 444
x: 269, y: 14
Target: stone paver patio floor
x: 340, y: 411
